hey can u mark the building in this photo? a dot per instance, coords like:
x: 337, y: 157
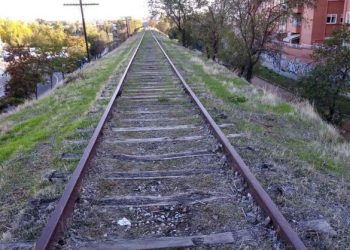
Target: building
x: 346, y: 13
x: 311, y: 26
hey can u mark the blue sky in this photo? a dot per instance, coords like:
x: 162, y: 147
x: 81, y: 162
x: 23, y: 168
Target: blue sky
x: 54, y: 10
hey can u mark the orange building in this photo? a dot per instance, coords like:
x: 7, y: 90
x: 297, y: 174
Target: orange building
x: 311, y: 26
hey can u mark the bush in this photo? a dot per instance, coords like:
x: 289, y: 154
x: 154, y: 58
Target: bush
x: 7, y: 102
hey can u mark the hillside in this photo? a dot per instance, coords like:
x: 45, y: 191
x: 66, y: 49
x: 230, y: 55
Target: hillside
x: 302, y: 162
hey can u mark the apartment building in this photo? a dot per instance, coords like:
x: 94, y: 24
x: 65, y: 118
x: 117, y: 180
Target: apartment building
x: 311, y: 26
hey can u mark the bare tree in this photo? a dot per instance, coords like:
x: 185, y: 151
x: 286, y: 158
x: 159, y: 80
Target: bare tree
x: 212, y: 23
x: 255, y: 23
x: 179, y: 12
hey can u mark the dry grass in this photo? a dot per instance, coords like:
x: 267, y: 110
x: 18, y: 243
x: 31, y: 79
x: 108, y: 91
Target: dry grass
x: 269, y: 98
x: 328, y: 141
x: 211, y: 67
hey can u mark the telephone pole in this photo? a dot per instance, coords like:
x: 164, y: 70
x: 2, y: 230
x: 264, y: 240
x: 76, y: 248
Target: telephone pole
x: 127, y: 25
x: 81, y: 4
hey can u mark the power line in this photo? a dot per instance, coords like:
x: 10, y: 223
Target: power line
x: 81, y: 4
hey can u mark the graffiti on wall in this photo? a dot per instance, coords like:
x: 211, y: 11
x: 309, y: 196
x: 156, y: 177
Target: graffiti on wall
x: 289, y: 67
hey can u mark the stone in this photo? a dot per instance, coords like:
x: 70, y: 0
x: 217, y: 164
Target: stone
x: 320, y: 226
x: 124, y: 222
x: 251, y: 218
x: 267, y: 221
x: 266, y: 166
x: 250, y: 148
x: 50, y: 208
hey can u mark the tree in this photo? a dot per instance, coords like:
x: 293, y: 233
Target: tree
x: 15, y: 33
x: 331, y: 76
x: 212, y: 25
x: 152, y: 22
x: 25, y: 72
x: 74, y: 54
x: 254, y: 23
x: 74, y: 29
x: 163, y: 24
x: 119, y: 24
x: 107, y: 27
x: 231, y: 50
x: 48, y: 41
x: 179, y: 12
x: 134, y: 25
x: 97, y: 39
x: 97, y: 47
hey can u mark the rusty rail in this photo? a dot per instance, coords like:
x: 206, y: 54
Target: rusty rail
x: 65, y: 206
x: 262, y: 198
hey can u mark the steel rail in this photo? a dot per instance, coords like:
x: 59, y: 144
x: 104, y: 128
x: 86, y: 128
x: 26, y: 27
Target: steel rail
x: 65, y: 206
x: 284, y: 229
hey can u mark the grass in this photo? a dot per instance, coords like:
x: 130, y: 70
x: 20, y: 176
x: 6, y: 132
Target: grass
x: 275, y: 78
x: 309, y: 175
x: 32, y: 138
x: 61, y: 113
x: 280, y: 108
x: 292, y: 85
x: 215, y: 86
x: 232, y: 90
x: 163, y: 99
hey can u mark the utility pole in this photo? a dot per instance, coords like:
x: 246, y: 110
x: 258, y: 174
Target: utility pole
x: 81, y: 4
x: 127, y: 26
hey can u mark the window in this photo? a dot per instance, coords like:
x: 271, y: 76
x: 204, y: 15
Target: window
x: 332, y: 18
x: 347, y: 18
x: 296, y: 21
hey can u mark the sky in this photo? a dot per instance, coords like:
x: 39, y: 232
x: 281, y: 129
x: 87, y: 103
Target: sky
x: 51, y: 10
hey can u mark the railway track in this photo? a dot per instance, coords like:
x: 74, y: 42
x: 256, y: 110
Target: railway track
x: 158, y: 173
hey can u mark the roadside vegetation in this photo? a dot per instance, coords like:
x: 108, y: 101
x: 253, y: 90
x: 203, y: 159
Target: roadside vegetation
x: 35, y: 51
x: 42, y: 140
x: 301, y: 161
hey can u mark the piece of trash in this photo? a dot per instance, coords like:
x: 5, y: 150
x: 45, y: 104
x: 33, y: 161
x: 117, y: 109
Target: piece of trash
x: 124, y: 222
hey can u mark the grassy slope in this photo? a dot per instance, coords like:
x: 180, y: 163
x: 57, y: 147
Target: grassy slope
x: 301, y: 161
x: 239, y: 94
x: 32, y: 139
x: 275, y: 78
x: 292, y: 85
